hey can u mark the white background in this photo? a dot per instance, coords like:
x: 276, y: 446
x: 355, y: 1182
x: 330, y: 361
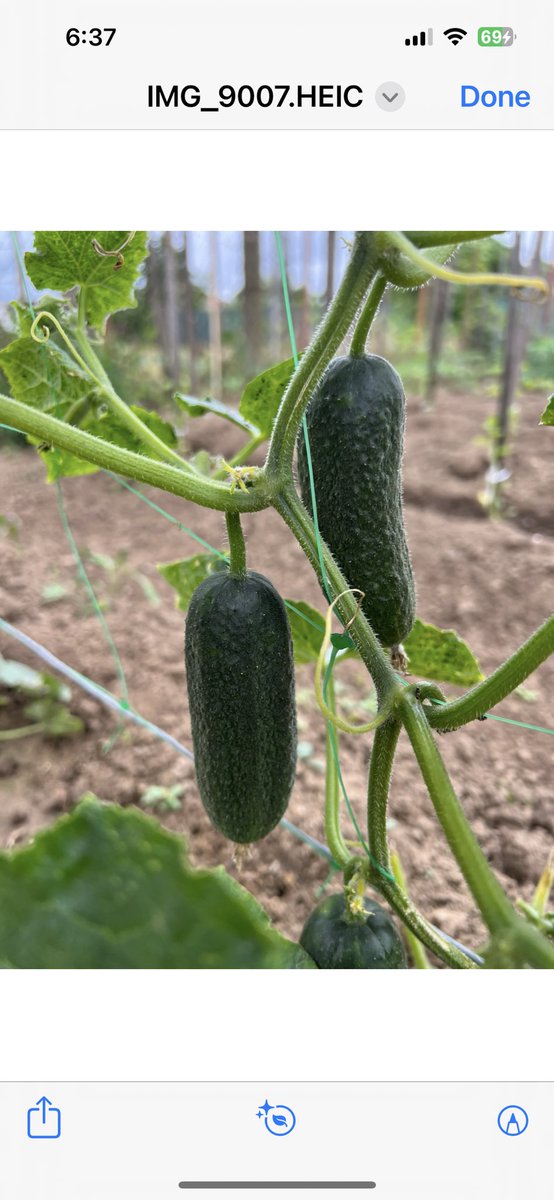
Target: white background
x: 296, y: 1025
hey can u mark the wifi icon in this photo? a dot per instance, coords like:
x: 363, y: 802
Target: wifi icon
x: 455, y: 35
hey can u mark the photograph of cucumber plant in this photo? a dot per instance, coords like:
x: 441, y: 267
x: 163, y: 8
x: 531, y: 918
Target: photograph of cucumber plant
x: 350, y: 764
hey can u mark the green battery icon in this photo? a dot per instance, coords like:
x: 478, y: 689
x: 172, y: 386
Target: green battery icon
x: 495, y: 35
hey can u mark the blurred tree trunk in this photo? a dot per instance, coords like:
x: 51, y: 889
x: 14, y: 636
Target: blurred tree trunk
x: 474, y: 263
x: 513, y: 352
x: 330, y: 288
x: 171, y: 308
x: 439, y: 305
x: 252, y: 300
x: 422, y: 308
x: 214, y: 317
x: 547, y: 309
x: 303, y: 330
x: 155, y: 295
x: 190, y: 319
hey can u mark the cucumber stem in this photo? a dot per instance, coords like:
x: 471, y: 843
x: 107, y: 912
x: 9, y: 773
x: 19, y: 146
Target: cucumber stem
x: 500, y: 684
x: 416, y: 948
x: 333, y: 834
x: 237, y: 546
x: 289, y: 506
x: 206, y: 492
x: 367, y: 316
x: 382, y: 758
x: 491, y: 900
x: 470, y: 278
x: 325, y: 341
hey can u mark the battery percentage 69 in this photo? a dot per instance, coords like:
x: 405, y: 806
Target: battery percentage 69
x: 495, y: 35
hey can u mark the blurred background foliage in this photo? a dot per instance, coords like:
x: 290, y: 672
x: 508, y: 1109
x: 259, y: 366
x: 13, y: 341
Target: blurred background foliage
x: 210, y: 315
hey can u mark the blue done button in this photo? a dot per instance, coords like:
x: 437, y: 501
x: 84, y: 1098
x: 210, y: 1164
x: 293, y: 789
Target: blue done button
x: 472, y: 96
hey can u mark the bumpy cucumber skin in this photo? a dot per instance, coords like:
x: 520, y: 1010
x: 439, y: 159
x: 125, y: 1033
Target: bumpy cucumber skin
x: 336, y: 942
x: 240, y: 680
x: 356, y: 421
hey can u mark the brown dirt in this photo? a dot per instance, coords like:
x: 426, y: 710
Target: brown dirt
x: 492, y: 581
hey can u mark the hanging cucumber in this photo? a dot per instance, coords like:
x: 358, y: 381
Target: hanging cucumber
x: 355, y: 423
x: 240, y: 679
x: 336, y: 940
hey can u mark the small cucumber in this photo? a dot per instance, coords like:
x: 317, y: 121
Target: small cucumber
x: 355, y: 423
x: 337, y: 941
x: 240, y: 679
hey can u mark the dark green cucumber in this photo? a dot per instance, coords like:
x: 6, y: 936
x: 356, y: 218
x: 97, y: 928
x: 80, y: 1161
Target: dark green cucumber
x: 337, y: 941
x: 355, y: 425
x: 240, y: 679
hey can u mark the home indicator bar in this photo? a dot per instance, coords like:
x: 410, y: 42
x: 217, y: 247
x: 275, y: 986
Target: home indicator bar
x: 282, y: 1183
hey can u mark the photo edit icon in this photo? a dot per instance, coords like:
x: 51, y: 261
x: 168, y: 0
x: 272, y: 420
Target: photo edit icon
x: 44, y: 1121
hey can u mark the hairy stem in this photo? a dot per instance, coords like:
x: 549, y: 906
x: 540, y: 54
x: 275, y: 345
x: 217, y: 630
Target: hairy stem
x: 333, y: 834
x: 382, y: 758
x: 123, y: 411
x: 500, y: 684
x: 290, y: 508
x: 237, y: 545
x: 205, y: 492
x: 416, y: 948
x: 488, y: 894
x: 325, y: 342
x: 469, y: 278
x: 367, y: 316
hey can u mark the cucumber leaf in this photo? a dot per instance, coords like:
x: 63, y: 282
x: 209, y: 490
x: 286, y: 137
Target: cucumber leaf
x: 110, y: 427
x: 64, y: 260
x: 43, y: 375
x: 185, y: 574
x: 548, y: 414
x: 109, y: 888
x: 262, y: 396
x: 61, y: 464
x: 440, y: 654
x: 307, y: 627
x: 59, y: 307
x: 198, y: 408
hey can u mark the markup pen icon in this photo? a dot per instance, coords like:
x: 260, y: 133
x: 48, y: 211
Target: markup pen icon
x: 44, y: 1121
x: 513, y: 1120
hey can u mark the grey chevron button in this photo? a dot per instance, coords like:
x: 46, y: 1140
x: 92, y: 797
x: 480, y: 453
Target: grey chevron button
x: 390, y: 96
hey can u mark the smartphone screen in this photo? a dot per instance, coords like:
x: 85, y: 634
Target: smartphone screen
x: 276, y: 596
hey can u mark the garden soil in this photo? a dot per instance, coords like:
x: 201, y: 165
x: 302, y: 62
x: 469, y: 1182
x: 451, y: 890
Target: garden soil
x: 492, y: 581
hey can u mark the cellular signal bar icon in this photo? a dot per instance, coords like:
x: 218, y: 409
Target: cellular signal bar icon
x: 420, y: 39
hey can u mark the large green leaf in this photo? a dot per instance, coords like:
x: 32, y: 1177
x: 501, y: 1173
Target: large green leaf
x: 185, y: 574
x: 442, y: 655
x: 307, y: 627
x: 107, y: 887
x: 198, y: 408
x: 64, y: 260
x: 44, y: 376
x: 262, y: 396
x: 110, y: 427
x: 548, y: 414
